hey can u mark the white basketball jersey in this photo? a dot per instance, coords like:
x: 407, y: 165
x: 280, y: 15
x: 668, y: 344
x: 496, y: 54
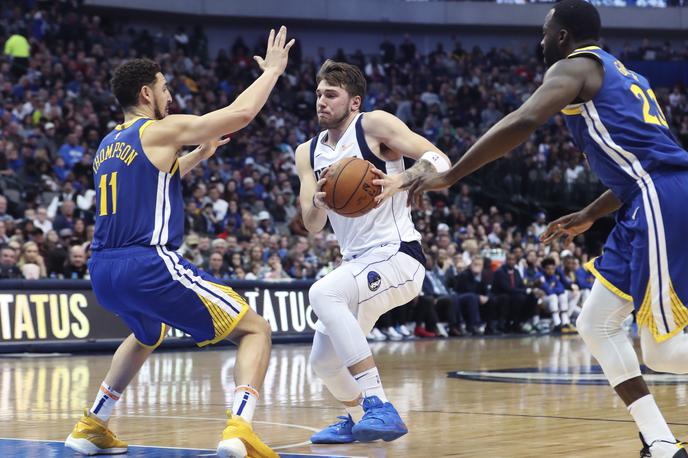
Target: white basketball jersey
x: 389, y: 223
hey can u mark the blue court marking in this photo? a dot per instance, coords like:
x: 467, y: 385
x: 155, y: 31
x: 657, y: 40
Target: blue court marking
x: 587, y: 375
x: 27, y: 448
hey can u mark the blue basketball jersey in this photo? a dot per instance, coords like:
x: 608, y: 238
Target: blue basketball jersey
x: 622, y: 130
x: 136, y: 203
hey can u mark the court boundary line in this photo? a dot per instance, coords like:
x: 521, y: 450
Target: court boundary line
x: 173, y: 448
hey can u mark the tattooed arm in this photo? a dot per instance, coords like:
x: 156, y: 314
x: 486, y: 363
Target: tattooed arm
x: 390, y: 131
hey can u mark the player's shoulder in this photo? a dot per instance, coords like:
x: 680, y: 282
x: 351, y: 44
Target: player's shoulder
x: 377, y: 116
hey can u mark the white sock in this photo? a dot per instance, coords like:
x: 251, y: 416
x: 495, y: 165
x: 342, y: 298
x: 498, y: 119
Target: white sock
x: 105, y: 402
x: 565, y: 318
x: 244, y: 405
x: 650, y: 421
x: 356, y: 412
x: 370, y: 384
x: 556, y: 320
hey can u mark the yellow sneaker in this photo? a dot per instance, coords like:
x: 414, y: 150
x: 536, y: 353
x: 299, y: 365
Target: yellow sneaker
x: 90, y: 436
x: 239, y: 441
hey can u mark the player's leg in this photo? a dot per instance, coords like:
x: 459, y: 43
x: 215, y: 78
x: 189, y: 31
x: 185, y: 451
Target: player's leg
x: 347, y: 315
x: 599, y: 324
x: 552, y: 305
x: 91, y: 435
x: 342, y: 385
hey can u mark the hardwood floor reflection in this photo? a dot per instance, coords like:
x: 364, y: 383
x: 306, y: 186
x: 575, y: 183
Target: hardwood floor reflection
x: 546, y: 399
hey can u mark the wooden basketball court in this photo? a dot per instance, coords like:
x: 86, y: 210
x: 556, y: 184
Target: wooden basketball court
x: 515, y: 397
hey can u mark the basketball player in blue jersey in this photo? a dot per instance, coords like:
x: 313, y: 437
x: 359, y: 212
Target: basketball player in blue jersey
x: 135, y: 270
x: 383, y: 265
x: 614, y: 118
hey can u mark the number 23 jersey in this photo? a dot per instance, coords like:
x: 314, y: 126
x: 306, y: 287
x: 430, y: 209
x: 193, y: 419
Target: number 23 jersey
x: 136, y: 204
x: 623, y: 131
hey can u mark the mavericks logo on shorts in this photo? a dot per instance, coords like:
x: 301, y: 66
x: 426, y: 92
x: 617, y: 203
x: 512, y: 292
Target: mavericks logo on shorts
x: 374, y: 280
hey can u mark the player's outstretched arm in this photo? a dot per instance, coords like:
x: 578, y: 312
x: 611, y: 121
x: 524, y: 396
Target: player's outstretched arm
x: 395, y: 135
x: 562, y: 85
x: 571, y: 225
x: 181, y: 130
x: 313, y: 208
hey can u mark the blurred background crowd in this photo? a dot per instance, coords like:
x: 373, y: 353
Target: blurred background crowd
x: 487, y: 270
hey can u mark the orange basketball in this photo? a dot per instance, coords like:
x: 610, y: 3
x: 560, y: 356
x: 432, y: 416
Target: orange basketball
x: 349, y: 189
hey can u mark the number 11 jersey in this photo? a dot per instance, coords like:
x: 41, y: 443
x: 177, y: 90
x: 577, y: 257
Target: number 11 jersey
x: 136, y: 204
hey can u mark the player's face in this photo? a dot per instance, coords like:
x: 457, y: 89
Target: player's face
x: 333, y: 105
x: 162, y: 99
x: 551, y: 50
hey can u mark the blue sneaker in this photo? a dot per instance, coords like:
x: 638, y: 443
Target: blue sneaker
x: 337, y: 433
x: 380, y: 421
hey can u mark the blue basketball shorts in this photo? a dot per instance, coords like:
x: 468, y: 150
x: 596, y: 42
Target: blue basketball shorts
x: 148, y: 287
x: 645, y: 257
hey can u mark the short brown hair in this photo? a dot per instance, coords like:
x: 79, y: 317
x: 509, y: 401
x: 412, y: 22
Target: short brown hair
x: 344, y: 75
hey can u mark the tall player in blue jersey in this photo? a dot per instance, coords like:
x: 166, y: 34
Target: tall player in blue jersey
x: 135, y: 270
x: 614, y: 118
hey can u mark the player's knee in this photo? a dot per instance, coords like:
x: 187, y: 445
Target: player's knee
x: 585, y: 324
x: 319, y: 300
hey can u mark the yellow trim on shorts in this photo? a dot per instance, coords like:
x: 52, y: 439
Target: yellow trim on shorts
x: 590, y: 267
x: 163, y: 332
x: 223, y: 322
x: 645, y: 317
x: 572, y: 111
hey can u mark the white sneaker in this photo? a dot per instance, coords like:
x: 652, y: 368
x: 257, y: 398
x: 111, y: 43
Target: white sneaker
x: 404, y: 331
x: 442, y: 330
x: 663, y: 449
x: 378, y: 336
x: 392, y: 334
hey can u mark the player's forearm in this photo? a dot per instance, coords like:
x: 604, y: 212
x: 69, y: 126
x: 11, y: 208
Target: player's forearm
x: 242, y: 111
x: 189, y: 161
x: 313, y: 218
x: 504, y: 136
x: 421, y: 167
x: 605, y: 204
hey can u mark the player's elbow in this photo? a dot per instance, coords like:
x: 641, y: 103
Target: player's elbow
x: 313, y: 227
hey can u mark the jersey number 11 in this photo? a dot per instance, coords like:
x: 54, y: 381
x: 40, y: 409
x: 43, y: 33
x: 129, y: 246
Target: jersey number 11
x: 103, y: 187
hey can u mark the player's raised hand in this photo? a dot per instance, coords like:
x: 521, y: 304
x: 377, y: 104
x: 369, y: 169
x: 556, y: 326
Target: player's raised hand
x: 391, y: 184
x: 431, y: 181
x: 208, y: 149
x: 277, y: 53
x: 568, y: 226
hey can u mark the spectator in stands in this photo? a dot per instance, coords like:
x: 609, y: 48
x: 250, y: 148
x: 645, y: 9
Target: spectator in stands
x: 473, y: 292
x: 567, y: 275
x: 17, y: 47
x: 514, y: 308
x: 555, y: 297
x: 8, y: 264
x: 76, y: 268
x: 31, y: 255
x: 4, y: 216
x: 65, y: 219
x: 216, y: 267
x: 41, y: 220
x: 71, y: 152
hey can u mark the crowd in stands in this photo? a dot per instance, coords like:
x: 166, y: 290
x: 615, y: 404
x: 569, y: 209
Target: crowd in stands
x: 242, y: 213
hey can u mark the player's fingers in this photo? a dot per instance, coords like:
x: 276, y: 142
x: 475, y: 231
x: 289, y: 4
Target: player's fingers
x: 290, y: 44
x: 380, y: 182
x: 271, y: 38
x: 378, y: 172
x: 282, y: 37
x: 224, y: 141
x: 259, y: 60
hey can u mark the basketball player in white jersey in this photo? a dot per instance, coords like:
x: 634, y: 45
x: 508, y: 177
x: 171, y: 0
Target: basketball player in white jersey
x: 383, y: 265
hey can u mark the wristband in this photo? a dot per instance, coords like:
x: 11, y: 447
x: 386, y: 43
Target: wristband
x: 436, y: 159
